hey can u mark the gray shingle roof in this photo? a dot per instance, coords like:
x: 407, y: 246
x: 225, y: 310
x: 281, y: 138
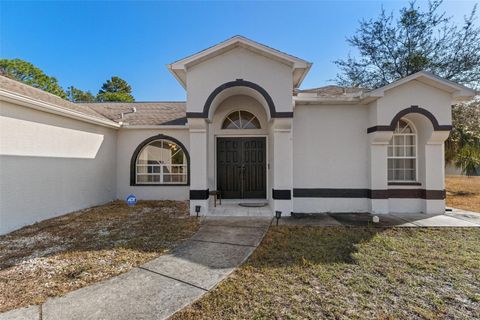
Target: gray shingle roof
x: 334, y: 90
x: 38, y: 94
x: 148, y: 113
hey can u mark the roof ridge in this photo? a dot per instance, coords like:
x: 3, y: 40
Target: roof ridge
x: 48, y: 94
x: 120, y: 102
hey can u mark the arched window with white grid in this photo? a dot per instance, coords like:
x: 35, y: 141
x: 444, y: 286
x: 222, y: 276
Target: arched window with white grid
x: 402, y: 153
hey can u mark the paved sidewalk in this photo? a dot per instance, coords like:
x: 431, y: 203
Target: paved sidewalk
x: 164, y: 285
x: 455, y: 218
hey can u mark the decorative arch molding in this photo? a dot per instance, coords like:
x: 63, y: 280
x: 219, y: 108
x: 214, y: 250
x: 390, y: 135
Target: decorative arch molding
x: 240, y: 83
x: 139, y: 148
x: 404, y: 112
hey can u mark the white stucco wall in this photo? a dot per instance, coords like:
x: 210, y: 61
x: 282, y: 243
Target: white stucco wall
x: 239, y: 63
x: 330, y: 146
x: 128, y: 141
x: 330, y: 150
x: 437, y: 101
x: 51, y: 165
x: 333, y: 150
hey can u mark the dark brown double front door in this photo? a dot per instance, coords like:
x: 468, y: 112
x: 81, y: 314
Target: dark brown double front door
x: 241, y: 168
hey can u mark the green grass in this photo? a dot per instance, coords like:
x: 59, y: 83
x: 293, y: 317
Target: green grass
x: 352, y: 273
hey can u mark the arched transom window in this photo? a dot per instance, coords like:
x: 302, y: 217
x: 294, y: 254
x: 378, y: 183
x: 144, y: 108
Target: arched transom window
x: 402, y: 153
x: 241, y: 120
x: 161, y: 162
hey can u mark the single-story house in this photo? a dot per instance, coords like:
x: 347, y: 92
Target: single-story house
x: 245, y: 130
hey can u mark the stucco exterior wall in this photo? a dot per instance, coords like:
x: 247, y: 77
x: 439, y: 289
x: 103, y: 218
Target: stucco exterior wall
x: 330, y: 150
x: 416, y: 93
x: 128, y: 140
x: 330, y: 146
x: 239, y: 63
x: 51, y: 165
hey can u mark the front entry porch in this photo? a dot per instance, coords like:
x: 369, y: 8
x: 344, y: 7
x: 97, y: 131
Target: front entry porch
x: 233, y: 207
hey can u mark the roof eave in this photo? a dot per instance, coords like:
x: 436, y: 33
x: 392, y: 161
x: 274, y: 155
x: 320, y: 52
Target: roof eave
x: 327, y: 100
x: 26, y: 101
x: 458, y: 91
x: 179, y: 67
x: 173, y: 71
x: 233, y: 42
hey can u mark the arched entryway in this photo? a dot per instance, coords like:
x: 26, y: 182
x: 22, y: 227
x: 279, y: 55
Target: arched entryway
x: 240, y: 134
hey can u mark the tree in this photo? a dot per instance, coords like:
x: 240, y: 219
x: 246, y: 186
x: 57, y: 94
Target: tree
x: 26, y: 72
x: 77, y: 95
x: 115, y: 89
x: 463, y: 145
x: 392, y: 48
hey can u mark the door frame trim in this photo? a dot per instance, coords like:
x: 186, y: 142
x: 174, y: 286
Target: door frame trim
x: 267, y: 156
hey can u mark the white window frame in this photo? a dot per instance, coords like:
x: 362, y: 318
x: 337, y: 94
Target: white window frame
x: 162, y: 167
x: 241, y: 127
x: 415, y: 139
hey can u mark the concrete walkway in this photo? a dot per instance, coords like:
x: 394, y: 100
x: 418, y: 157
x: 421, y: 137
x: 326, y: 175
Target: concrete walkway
x: 454, y: 218
x: 164, y: 285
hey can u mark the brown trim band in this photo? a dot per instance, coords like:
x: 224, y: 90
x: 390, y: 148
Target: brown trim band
x: 139, y: 148
x: 330, y: 193
x: 369, y: 194
x: 199, y: 194
x: 404, y: 184
x: 281, y: 194
x: 240, y: 83
x: 412, y: 109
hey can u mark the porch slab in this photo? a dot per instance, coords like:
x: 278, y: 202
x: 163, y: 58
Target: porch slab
x: 440, y: 220
x: 138, y: 294
x: 231, y: 209
x: 365, y: 219
x: 202, y: 264
x: 230, y: 235
x: 252, y: 222
x: 470, y: 216
x: 318, y: 220
x: 28, y: 313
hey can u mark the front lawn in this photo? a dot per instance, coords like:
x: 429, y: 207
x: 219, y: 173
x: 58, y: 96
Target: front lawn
x: 352, y: 273
x: 65, y: 253
x: 463, y: 192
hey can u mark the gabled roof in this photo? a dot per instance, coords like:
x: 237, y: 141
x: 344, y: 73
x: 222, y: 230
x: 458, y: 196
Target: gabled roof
x: 457, y: 90
x: 340, y: 95
x: 146, y: 114
x: 21, y: 93
x: 300, y: 67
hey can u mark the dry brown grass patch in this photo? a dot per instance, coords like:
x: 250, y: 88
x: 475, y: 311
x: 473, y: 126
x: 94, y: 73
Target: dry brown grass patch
x: 463, y: 192
x: 352, y: 273
x: 65, y: 253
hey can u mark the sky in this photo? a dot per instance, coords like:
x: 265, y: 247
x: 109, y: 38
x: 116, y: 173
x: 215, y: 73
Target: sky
x: 85, y: 43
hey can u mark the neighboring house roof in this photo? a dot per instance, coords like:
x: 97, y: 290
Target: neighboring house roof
x: 147, y: 113
x: 300, y: 67
x: 18, y: 92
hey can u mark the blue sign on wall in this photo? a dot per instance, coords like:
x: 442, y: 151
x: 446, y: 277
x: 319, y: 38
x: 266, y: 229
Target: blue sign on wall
x: 131, y: 200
